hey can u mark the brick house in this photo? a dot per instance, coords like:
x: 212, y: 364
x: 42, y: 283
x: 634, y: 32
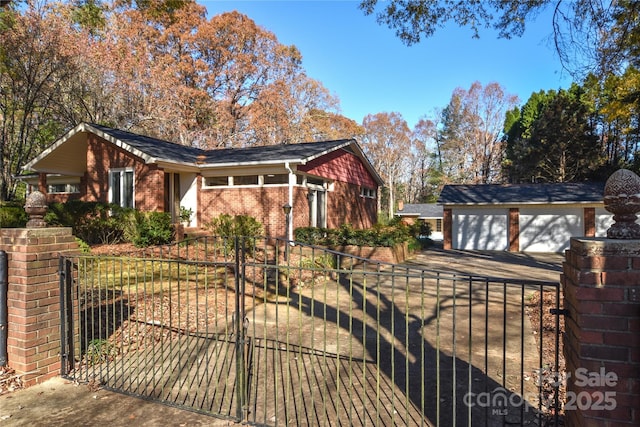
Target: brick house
x: 327, y: 183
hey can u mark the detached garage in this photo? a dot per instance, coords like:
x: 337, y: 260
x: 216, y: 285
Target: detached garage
x: 522, y: 217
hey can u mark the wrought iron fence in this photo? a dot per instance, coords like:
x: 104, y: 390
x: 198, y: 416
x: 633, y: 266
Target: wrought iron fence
x: 271, y: 333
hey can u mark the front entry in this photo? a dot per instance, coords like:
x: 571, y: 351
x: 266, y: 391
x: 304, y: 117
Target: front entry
x: 172, y: 195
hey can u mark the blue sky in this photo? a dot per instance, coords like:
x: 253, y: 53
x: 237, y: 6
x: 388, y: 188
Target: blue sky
x: 367, y: 67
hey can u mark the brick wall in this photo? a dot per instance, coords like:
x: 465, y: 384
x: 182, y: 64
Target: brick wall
x: 33, y: 343
x: 601, y: 282
x: 344, y: 205
x: 103, y: 156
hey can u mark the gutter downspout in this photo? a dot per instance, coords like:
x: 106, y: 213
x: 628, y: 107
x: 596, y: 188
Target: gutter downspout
x: 290, y: 200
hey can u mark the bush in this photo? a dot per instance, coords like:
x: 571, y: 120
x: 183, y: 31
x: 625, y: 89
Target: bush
x: 12, y: 216
x: 103, y: 223
x: 148, y: 228
x: 379, y: 235
x: 226, y: 225
x: 92, y: 222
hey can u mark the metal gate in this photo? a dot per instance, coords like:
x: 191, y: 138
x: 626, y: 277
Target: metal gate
x: 266, y: 332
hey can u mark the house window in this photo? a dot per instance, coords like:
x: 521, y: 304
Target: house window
x: 438, y: 225
x: 121, y: 187
x: 239, y: 180
x: 245, y: 180
x: 276, y: 179
x: 369, y: 193
x: 63, y: 188
x: 216, y: 181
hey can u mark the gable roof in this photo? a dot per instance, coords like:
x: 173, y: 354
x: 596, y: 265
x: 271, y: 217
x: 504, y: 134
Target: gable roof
x: 490, y: 194
x: 421, y: 210
x: 154, y: 150
x: 151, y: 149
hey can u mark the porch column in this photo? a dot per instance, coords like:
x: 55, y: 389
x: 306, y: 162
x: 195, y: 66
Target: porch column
x: 42, y: 183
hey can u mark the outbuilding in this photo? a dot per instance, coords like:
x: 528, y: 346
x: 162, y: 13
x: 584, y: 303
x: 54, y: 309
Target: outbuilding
x: 522, y: 217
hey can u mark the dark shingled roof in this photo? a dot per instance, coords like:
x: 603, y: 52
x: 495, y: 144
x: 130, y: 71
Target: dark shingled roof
x: 293, y: 152
x: 422, y: 210
x: 479, y: 194
x: 164, y: 150
x: 157, y: 148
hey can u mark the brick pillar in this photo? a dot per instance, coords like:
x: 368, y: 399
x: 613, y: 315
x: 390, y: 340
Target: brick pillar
x: 589, y: 222
x: 601, y: 283
x: 447, y: 228
x: 514, y: 229
x: 33, y: 343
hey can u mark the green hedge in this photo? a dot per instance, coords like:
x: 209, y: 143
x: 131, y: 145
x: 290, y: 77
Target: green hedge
x: 381, y: 235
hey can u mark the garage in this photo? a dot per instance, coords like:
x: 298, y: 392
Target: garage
x: 522, y: 217
x: 481, y: 228
x: 549, y: 228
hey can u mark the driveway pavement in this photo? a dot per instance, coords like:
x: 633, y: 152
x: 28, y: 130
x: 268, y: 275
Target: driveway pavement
x: 63, y: 403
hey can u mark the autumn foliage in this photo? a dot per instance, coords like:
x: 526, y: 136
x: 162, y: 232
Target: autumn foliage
x: 157, y: 67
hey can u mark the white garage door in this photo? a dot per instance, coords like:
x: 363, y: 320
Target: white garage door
x: 480, y: 229
x: 549, y: 229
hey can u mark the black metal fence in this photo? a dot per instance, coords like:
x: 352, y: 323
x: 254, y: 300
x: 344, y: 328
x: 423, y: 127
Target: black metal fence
x: 246, y: 330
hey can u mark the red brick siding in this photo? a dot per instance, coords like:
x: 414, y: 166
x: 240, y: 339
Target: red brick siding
x: 514, y: 229
x: 602, y: 329
x: 447, y: 228
x: 33, y: 299
x: 342, y: 166
x: 264, y: 204
x: 344, y: 205
x: 103, y: 156
x: 589, y: 222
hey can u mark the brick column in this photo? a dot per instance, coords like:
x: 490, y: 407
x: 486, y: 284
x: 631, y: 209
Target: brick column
x: 33, y: 343
x: 589, y: 222
x: 514, y: 229
x: 601, y: 283
x: 447, y: 228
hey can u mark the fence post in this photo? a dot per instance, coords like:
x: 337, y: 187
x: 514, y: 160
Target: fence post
x: 601, y: 284
x: 238, y: 326
x: 33, y: 344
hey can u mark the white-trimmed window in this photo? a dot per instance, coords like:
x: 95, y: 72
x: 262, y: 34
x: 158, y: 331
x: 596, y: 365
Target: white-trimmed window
x: 121, y: 191
x: 216, y: 181
x: 63, y: 188
x: 276, y: 179
x: 369, y: 193
x: 246, y: 180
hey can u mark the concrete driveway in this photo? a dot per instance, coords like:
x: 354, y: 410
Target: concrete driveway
x: 515, y: 265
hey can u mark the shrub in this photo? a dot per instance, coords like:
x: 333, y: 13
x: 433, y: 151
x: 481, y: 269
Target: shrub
x: 12, y: 216
x: 346, y: 235
x: 92, y: 222
x: 226, y: 225
x: 103, y: 223
x: 147, y: 228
